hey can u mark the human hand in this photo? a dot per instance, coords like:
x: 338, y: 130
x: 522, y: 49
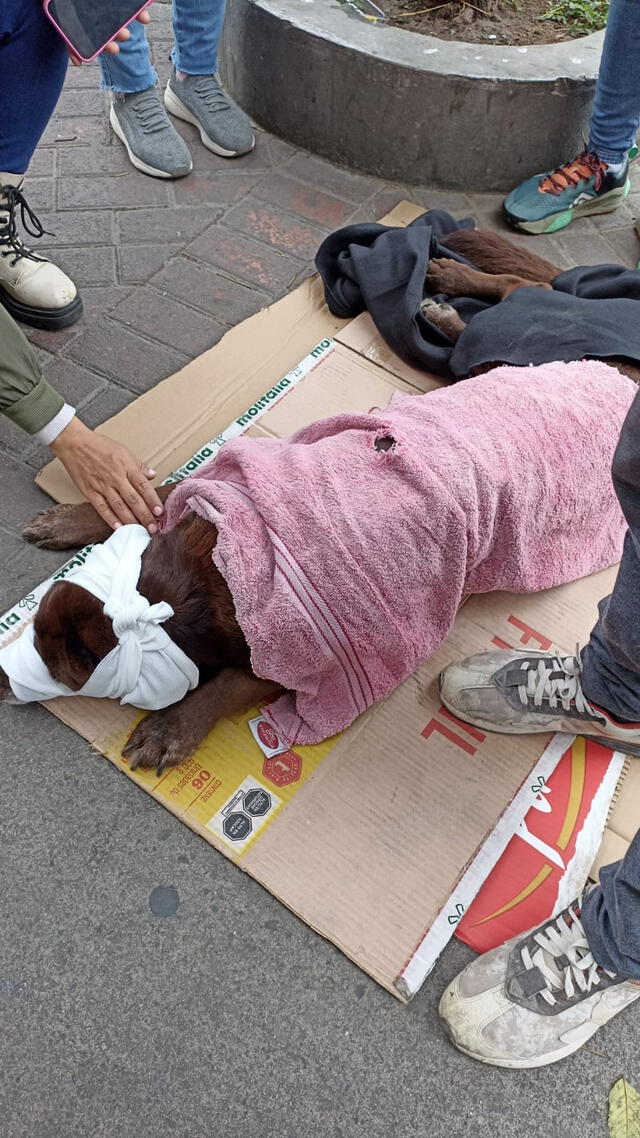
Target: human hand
x: 112, y: 479
x: 121, y: 37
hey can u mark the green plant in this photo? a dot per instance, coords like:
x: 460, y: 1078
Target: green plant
x: 582, y: 16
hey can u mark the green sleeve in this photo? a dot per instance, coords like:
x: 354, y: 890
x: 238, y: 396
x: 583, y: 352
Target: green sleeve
x: 25, y: 395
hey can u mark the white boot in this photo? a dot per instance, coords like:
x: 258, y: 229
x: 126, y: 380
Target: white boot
x: 32, y: 289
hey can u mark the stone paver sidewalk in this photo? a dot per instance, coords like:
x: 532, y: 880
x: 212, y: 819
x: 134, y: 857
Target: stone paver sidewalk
x: 227, y: 1017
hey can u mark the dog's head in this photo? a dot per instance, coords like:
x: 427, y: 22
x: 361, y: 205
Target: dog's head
x: 72, y: 634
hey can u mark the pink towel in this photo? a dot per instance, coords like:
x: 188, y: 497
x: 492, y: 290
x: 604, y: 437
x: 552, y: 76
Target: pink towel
x: 347, y: 564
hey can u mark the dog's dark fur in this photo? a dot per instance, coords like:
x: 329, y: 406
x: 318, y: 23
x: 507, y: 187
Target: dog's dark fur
x: 71, y: 630
x: 502, y: 267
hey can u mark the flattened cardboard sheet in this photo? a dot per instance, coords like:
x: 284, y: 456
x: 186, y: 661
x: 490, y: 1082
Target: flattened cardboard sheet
x: 370, y: 837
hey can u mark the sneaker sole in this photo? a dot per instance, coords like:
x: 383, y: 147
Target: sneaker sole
x: 47, y: 319
x: 143, y: 167
x: 176, y: 107
x: 606, y: 204
x: 528, y: 729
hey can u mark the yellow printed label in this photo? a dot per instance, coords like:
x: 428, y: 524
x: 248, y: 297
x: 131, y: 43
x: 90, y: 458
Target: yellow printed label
x: 228, y: 790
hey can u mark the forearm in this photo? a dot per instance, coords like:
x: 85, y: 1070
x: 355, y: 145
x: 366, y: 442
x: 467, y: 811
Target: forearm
x: 25, y: 395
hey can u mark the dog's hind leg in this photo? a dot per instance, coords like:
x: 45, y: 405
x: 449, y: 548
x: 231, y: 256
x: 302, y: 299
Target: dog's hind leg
x: 492, y: 253
x: 444, y: 317
x: 451, y: 278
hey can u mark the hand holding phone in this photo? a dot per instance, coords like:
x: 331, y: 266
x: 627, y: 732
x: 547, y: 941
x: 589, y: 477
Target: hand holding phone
x: 88, y: 28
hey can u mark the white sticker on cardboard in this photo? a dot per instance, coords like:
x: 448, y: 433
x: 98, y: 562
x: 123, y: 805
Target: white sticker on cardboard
x: 267, y: 737
x: 244, y: 813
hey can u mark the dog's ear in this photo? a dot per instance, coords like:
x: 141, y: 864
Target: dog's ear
x: 72, y: 633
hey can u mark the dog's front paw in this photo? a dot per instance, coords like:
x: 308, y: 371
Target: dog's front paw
x: 159, y: 741
x: 51, y: 529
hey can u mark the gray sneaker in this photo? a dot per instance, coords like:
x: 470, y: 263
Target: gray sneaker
x: 522, y: 693
x: 201, y: 101
x: 151, y: 140
x: 536, y: 999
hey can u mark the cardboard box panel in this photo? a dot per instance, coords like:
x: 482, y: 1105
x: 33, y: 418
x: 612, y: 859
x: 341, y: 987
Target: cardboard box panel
x: 168, y: 424
x: 362, y: 336
x: 341, y: 380
x: 366, y: 836
x: 367, y: 854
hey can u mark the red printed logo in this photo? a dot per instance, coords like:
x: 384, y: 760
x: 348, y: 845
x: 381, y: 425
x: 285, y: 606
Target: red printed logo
x: 282, y: 769
x: 523, y: 887
x: 268, y: 735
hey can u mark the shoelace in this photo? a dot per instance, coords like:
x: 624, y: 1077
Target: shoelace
x: 10, y: 242
x: 557, y: 682
x: 564, y: 938
x: 211, y: 93
x: 149, y: 112
x: 583, y: 167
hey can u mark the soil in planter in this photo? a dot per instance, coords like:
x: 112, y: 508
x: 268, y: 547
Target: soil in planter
x: 505, y: 22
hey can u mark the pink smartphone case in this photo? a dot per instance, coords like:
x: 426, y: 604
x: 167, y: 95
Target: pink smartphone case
x: 73, y: 48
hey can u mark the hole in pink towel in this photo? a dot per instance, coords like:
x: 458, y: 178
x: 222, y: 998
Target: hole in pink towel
x: 385, y: 443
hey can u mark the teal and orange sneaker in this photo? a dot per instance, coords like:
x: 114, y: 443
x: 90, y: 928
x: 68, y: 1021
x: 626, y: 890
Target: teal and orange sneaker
x: 584, y: 186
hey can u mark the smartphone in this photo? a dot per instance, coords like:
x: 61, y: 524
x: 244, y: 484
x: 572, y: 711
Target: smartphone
x: 88, y: 26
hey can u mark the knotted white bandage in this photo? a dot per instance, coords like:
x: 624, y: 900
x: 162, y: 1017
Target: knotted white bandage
x: 145, y: 668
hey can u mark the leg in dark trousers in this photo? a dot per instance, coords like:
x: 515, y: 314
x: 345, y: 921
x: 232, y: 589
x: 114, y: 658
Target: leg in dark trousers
x: 611, y: 659
x: 611, y: 679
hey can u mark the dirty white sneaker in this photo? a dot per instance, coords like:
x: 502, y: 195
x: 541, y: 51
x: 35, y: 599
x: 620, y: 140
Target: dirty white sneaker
x: 521, y: 693
x: 534, y: 1000
x: 32, y: 289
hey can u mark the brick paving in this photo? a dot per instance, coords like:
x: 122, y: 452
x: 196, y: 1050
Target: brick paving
x: 166, y: 268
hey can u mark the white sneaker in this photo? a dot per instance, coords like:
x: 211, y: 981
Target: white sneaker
x: 32, y: 289
x: 521, y: 693
x: 534, y: 1000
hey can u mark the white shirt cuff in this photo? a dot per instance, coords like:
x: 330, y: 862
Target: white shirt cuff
x: 48, y: 434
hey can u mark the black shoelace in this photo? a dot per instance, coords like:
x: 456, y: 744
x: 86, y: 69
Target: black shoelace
x: 10, y: 242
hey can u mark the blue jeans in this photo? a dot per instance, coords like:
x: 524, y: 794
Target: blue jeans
x: 197, y: 27
x: 33, y: 65
x: 616, y: 110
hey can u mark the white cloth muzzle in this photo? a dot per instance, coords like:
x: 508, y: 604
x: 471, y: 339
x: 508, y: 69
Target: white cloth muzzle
x: 145, y: 668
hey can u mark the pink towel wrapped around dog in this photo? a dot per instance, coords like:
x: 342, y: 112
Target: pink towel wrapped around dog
x: 347, y: 562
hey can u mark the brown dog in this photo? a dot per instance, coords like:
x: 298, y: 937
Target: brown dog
x: 502, y: 268
x: 72, y: 632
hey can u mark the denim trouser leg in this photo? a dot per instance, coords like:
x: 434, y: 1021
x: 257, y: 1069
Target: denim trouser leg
x: 616, y: 110
x: 33, y: 65
x: 611, y: 915
x: 131, y: 69
x: 197, y: 27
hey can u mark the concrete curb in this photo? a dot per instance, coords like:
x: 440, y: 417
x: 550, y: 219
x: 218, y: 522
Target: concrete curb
x: 405, y: 106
